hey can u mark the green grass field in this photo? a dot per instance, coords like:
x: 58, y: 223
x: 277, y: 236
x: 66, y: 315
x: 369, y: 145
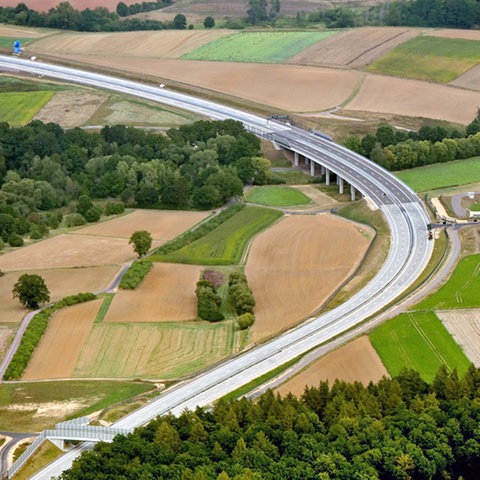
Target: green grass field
x: 224, y: 245
x: 461, y: 290
x: 276, y: 196
x: 93, y: 395
x: 257, y: 47
x: 7, y: 42
x: 417, y: 340
x: 441, y: 175
x: 19, y: 108
x: 429, y: 58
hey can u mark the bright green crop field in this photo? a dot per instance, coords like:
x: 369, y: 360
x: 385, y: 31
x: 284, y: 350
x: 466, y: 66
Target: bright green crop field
x: 225, y: 244
x: 276, y: 196
x: 19, y: 108
x: 441, y: 175
x: 257, y: 47
x: 7, y: 42
x: 429, y: 58
x: 462, y: 289
x: 417, y: 340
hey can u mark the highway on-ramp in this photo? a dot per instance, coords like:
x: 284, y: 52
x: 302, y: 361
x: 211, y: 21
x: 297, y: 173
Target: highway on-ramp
x: 409, y: 251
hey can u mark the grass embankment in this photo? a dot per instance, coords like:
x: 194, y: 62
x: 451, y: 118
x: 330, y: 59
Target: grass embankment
x: 418, y: 339
x: 429, y: 58
x: 7, y: 42
x: 46, y: 453
x: 442, y: 175
x: 225, y: 244
x: 257, y: 47
x: 32, y: 407
x: 276, y: 196
x: 19, y: 108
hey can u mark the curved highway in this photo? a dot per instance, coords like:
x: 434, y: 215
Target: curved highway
x: 409, y: 252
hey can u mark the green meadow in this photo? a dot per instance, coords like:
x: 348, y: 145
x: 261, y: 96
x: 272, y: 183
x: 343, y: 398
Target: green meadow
x: 224, y: 245
x: 441, y: 175
x: 257, y: 47
x: 417, y: 340
x: 276, y: 196
x: 429, y: 58
x: 19, y: 108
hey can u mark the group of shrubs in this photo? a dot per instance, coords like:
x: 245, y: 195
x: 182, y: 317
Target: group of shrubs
x: 34, y: 333
x: 208, y: 301
x: 135, y: 274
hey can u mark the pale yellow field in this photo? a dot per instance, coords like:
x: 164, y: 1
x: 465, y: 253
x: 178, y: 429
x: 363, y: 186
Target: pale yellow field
x: 60, y: 282
x: 163, y: 225
x: 356, y: 361
x: 60, y: 346
x: 153, y: 350
x: 456, y: 33
x: 166, y: 294
x: 312, y: 256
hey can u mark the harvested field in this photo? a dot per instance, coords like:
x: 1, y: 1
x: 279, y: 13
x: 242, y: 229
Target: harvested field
x: 288, y: 87
x: 71, y: 108
x: 166, y: 294
x: 6, y: 333
x: 22, y: 32
x: 415, y: 98
x: 464, y: 326
x: 148, y: 44
x: 470, y: 79
x: 60, y: 282
x: 60, y: 346
x: 354, y: 48
x: 46, y: 5
x: 294, y: 279
x: 456, y: 33
x: 68, y: 251
x: 355, y: 362
x: 160, y: 351
x: 163, y: 225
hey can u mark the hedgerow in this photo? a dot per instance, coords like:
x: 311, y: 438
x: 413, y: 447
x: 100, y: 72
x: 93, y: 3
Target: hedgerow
x: 34, y: 332
x: 135, y: 274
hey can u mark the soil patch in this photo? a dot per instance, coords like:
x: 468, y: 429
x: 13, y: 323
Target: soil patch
x: 464, y: 326
x: 60, y: 282
x: 354, y: 48
x: 380, y: 93
x: 166, y: 294
x: 312, y: 256
x: 287, y: 87
x: 71, y: 108
x: 355, y: 362
x: 60, y: 346
x: 322, y: 200
x: 163, y: 225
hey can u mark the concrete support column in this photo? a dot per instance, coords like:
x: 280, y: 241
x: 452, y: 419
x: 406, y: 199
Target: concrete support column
x: 340, y: 185
x: 327, y: 176
x: 312, y: 168
x: 352, y: 193
x: 295, y: 159
x: 58, y: 442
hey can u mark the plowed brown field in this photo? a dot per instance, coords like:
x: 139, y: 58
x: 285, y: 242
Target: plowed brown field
x: 296, y: 265
x: 356, y: 361
x: 60, y: 282
x: 464, y: 326
x: 354, y: 48
x: 416, y: 99
x: 163, y: 225
x: 60, y: 347
x: 166, y: 294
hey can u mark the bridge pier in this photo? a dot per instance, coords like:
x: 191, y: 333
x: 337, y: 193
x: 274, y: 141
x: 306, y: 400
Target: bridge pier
x: 340, y: 184
x: 58, y: 442
x: 295, y: 159
x: 327, y: 176
x: 352, y: 193
x: 312, y: 168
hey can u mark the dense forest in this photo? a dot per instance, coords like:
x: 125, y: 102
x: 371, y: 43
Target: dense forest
x: 399, y: 428
x: 49, y: 175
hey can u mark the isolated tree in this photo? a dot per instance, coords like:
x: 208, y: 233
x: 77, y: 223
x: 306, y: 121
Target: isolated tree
x: 122, y: 9
x: 31, y: 290
x: 257, y: 11
x: 180, y: 21
x: 209, y: 22
x: 142, y: 242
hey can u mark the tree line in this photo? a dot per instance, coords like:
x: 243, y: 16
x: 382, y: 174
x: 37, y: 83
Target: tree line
x: 399, y: 428
x: 399, y: 149
x: 99, y: 19
x: 125, y: 10
x: 50, y: 176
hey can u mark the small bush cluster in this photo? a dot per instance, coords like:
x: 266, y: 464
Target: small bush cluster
x: 193, y: 235
x: 208, y: 302
x: 34, y: 333
x: 240, y: 293
x: 246, y: 320
x: 135, y: 274
x: 114, y: 208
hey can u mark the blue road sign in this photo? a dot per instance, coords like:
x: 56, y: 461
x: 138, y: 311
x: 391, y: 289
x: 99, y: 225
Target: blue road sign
x: 16, y: 46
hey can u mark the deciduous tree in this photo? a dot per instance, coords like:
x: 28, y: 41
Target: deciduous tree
x: 31, y: 290
x: 142, y: 242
